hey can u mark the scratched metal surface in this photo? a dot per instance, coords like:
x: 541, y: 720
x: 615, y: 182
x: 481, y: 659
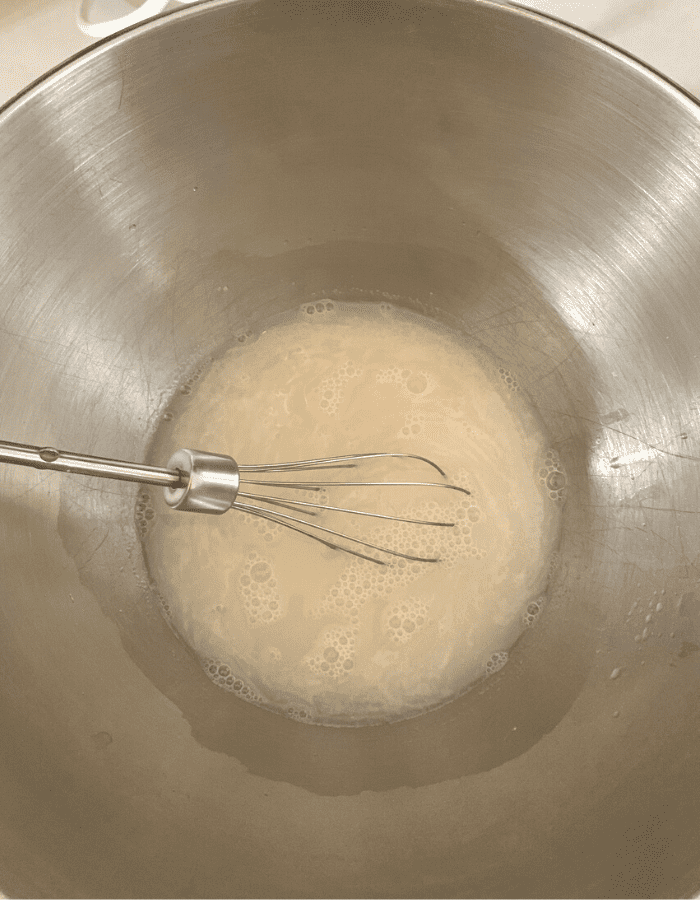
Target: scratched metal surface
x: 36, y: 36
x: 499, y: 172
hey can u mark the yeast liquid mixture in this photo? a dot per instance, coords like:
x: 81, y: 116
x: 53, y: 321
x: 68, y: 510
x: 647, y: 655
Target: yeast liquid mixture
x: 316, y: 634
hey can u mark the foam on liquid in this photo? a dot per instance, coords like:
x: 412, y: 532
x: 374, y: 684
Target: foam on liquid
x: 316, y: 634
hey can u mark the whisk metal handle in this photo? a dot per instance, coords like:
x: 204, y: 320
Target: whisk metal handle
x: 193, y: 481
x: 79, y: 464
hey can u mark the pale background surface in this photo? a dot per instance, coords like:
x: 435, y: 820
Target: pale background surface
x: 38, y: 34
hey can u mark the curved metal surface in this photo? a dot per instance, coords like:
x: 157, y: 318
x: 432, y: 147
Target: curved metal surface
x: 480, y: 164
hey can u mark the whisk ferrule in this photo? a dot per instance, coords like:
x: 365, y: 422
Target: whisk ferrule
x: 209, y: 482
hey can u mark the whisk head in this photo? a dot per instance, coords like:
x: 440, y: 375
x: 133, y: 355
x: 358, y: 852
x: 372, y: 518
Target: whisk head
x: 212, y: 483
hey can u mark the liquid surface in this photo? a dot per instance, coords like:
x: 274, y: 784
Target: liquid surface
x: 314, y: 633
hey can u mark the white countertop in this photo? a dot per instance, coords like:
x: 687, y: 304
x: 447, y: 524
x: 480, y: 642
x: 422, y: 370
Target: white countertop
x: 36, y: 35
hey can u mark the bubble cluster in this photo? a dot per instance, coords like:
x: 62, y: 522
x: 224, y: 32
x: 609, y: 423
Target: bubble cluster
x: 329, y: 393
x: 187, y: 386
x: 244, y: 336
x: 296, y: 712
x: 319, y: 309
x: 533, y: 610
x: 222, y: 674
x: 415, y: 382
x: 361, y: 580
x: 162, y: 602
x: 413, y: 425
x: 416, y: 385
x: 390, y: 376
x: 258, y: 587
x: 355, y: 585
x: 402, y: 621
x: 335, y: 655
x: 450, y: 544
x: 266, y: 528
x: 458, y: 542
x: 145, y: 513
x: 496, y: 662
x: 553, y: 564
x: 509, y: 380
x: 552, y: 476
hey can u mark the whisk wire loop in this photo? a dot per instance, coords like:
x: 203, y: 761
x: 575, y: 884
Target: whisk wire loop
x: 197, y: 481
x: 307, y: 508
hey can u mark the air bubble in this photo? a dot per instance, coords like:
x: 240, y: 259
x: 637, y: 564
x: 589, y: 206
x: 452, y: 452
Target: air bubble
x: 556, y: 481
x: 496, y: 662
x: 261, y: 571
x: 261, y: 600
x: 416, y: 384
x: 331, y: 657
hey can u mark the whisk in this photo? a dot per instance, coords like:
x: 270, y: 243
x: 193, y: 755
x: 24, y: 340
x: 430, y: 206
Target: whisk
x: 197, y: 481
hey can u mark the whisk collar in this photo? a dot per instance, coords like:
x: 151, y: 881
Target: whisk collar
x: 209, y: 482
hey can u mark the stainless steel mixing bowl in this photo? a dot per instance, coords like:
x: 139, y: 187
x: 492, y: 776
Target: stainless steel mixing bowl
x: 480, y: 164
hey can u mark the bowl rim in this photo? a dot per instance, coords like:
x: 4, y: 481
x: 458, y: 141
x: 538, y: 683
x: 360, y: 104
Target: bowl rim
x: 200, y: 7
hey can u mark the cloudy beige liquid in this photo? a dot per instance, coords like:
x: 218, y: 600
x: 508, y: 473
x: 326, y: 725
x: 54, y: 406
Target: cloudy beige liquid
x: 317, y: 634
